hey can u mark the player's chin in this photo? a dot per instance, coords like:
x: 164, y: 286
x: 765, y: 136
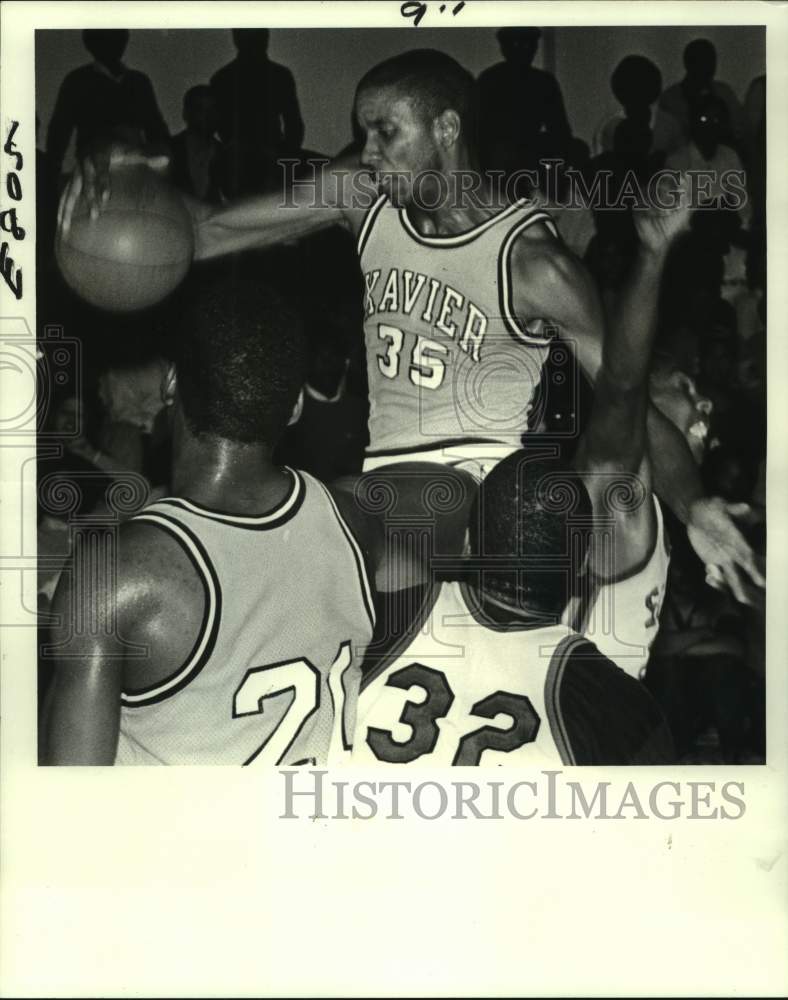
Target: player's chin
x: 395, y: 190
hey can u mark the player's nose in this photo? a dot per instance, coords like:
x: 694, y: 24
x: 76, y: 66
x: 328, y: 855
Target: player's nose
x: 370, y: 154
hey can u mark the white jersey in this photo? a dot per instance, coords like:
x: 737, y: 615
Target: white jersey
x: 273, y: 676
x: 621, y: 617
x: 444, y: 685
x: 448, y: 361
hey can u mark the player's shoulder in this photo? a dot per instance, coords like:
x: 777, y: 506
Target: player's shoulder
x: 538, y: 256
x: 366, y: 529
x: 607, y: 716
x: 153, y: 559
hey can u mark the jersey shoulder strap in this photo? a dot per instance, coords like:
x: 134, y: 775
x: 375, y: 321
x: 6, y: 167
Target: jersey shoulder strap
x: 400, y: 615
x: 531, y: 215
x: 369, y: 221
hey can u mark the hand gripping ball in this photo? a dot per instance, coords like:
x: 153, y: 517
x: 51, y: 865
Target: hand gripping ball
x: 136, y: 252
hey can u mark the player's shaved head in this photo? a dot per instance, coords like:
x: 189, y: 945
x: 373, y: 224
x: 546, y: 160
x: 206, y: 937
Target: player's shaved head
x: 239, y: 357
x: 526, y: 509
x: 432, y: 81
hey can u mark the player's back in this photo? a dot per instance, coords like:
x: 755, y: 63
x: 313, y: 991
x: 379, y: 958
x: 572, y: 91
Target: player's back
x: 272, y: 677
x: 454, y: 687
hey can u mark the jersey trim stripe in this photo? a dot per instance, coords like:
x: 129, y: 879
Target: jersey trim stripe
x: 368, y: 223
x: 552, y: 688
x: 459, y: 239
x: 206, y: 639
x: 283, y: 511
x: 505, y: 282
x: 639, y: 567
x: 434, y: 446
x: 410, y: 625
x: 591, y: 584
x: 366, y: 589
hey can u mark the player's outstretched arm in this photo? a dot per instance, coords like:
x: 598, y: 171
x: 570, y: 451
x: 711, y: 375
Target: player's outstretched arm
x: 552, y: 284
x: 338, y: 192
x: 617, y: 428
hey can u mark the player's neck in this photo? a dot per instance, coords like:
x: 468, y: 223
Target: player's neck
x: 226, y: 475
x: 499, y: 612
x: 455, y: 218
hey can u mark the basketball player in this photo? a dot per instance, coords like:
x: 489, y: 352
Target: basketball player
x: 623, y: 587
x: 481, y: 671
x: 230, y: 633
x: 463, y: 293
x: 621, y: 590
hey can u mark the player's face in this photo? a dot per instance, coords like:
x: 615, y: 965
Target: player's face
x: 678, y: 398
x: 399, y: 144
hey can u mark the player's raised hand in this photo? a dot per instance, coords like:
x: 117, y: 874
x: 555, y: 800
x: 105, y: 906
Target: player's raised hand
x: 722, y: 547
x: 91, y: 178
x: 658, y: 225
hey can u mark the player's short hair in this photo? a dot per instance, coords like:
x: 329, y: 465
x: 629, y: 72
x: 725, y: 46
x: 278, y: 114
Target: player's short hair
x: 526, y: 509
x: 433, y: 82
x: 239, y: 357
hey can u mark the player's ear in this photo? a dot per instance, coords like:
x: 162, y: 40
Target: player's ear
x: 169, y: 384
x: 447, y: 128
x: 298, y: 409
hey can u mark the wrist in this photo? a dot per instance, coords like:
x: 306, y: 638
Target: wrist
x: 653, y: 257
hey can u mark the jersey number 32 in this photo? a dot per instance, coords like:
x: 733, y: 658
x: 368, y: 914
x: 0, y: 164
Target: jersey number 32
x: 423, y: 716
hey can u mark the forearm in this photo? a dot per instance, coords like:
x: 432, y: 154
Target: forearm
x: 255, y: 223
x: 633, y: 325
x: 674, y: 470
x: 617, y: 426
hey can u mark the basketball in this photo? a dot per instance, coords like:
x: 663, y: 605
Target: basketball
x: 136, y: 252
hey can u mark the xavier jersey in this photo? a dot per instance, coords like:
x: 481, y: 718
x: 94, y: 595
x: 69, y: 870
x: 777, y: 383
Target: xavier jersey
x: 621, y: 616
x: 457, y: 688
x: 447, y: 360
x: 273, y: 676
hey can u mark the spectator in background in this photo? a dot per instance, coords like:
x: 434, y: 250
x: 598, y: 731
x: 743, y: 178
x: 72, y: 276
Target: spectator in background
x: 522, y: 116
x: 259, y: 116
x: 636, y: 83
x: 755, y: 115
x: 573, y: 219
x: 130, y: 398
x: 707, y: 151
x: 700, y: 63
x: 755, y: 150
x: 628, y: 168
x: 196, y: 151
x: 103, y: 99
